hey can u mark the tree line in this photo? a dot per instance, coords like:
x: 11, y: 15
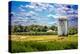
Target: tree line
x: 33, y: 28
x: 38, y: 29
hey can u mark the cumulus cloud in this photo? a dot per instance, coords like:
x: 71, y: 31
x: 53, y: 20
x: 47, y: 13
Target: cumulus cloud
x: 54, y: 16
x: 30, y: 6
x: 21, y: 9
x: 39, y: 6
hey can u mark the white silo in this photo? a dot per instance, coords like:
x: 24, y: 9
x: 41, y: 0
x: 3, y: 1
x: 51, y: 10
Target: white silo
x: 62, y: 26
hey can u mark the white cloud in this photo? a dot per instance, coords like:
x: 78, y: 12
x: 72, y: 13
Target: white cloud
x: 25, y: 14
x: 58, y: 5
x: 65, y: 8
x: 50, y: 15
x: 30, y: 6
x: 14, y: 14
x: 60, y: 11
x: 54, y: 16
x: 21, y: 9
x: 72, y: 15
x: 31, y: 13
x: 40, y: 6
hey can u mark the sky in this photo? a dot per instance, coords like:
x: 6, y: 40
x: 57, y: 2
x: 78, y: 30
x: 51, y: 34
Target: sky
x: 28, y: 13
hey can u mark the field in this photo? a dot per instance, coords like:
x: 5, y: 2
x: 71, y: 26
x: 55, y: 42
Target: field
x: 29, y: 43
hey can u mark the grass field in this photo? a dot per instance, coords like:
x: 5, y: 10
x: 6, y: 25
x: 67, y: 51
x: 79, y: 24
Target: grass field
x: 28, y: 43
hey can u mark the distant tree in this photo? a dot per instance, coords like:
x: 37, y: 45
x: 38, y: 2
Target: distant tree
x: 72, y: 30
x: 53, y: 28
x: 32, y: 28
x: 25, y: 29
x: 45, y: 28
x: 17, y: 28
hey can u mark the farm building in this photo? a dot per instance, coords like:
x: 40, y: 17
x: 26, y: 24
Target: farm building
x: 62, y: 26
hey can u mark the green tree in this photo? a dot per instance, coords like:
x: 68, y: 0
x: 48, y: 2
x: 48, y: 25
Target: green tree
x: 53, y: 28
x: 17, y: 28
x: 73, y: 30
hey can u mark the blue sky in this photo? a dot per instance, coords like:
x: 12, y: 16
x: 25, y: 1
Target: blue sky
x: 28, y: 13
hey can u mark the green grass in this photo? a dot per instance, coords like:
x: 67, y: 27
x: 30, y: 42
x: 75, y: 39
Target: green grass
x: 42, y: 43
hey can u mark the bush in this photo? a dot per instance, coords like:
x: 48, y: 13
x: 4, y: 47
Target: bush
x: 34, y: 33
x: 72, y: 31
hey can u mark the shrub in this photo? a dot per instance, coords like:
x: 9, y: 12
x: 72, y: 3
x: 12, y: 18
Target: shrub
x: 30, y: 46
x: 34, y: 33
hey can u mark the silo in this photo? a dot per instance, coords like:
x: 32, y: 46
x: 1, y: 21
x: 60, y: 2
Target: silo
x: 62, y: 26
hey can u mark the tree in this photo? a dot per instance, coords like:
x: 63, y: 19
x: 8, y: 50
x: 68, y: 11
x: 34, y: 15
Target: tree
x: 17, y: 28
x: 72, y: 31
x: 53, y: 28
